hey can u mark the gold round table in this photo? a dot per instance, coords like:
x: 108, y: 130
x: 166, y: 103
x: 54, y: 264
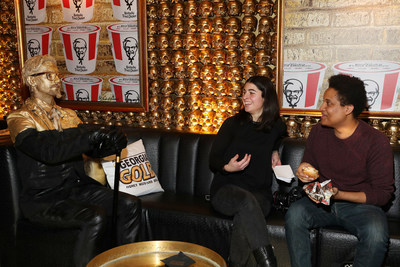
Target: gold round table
x: 150, y: 254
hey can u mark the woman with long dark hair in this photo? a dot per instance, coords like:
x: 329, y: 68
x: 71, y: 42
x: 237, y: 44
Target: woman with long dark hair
x: 242, y: 157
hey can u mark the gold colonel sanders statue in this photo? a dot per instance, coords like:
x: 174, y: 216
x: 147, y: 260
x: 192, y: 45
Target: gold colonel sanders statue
x: 51, y: 145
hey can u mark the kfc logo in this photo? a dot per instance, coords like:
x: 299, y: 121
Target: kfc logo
x: 34, y: 47
x: 293, y: 90
x: 31, y: 5
x: 131, y: 96
x: 80, y: 48
x: 372, y: 89
x: 129, y: 4
x: 82, y: 95
x: 78, y: 4
x: 130, y: 45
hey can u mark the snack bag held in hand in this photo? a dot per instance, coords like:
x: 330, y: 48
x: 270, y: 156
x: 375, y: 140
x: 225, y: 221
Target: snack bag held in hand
x: 319, y: 191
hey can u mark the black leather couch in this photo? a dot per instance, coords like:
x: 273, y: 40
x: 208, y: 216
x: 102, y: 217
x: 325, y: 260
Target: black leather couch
x: 182, y: 212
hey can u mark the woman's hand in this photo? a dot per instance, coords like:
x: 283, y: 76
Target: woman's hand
x: 301, y: 175
x: 276, y: 161
x: 235, y: 166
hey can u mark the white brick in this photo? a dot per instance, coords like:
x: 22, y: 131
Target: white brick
x: 294, y: 38
x: 347, y: 19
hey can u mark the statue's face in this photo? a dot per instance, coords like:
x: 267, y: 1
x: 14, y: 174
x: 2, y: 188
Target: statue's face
x: 43, y: 87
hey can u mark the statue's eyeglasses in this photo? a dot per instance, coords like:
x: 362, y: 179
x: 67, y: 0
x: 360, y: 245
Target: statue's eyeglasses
x: 51, y: 76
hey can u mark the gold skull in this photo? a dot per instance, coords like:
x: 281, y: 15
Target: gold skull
x: 162, y: 41
x: 265, y: 71
x: 178, y: 58
x: 249, y: 71
x: 262, y: 58
x: 219, y: 57
x: 165, y: 57
x: 233, y: 25
x: 194, y: 70
x: 265, y: 7
x: 205, y: 56
x: 181, y: 71
x: 177, y: 25
x: 205, y: 25
x: 151, y: 42
x: 190, y: 41
x: 232, y: 41
x: 151, y: 27
x: 247, y: 40
x: 164, y: 10
x: 180, y: 120
x: 191, y: 25
x: 233, y: 57
x: 248, y: 55
x: 153, y: 57
x: 249, y: 7
x: 218, y: 24
x: 180, y: 88
x: 164, y: 25
x: 167, y: 72
x: 154, y: 87
x: 262, y: 41
x: 219, y: 8
x: 218, y: 41
x: 265, y: 25
x: 180, y: 104
x: 154, y: 102
x: 234, y: 8
x: 209, y: 87
x: 152, y: 12
x: 236, y: 89
x: 207, y: 72
x: 192, y: 55
x: 205, y: 8
x: 178, y: 10
x: 176, y: 41
x: 235, y: 74
x: 191, y: 8
x: 194, y: 87
x: 167, y: 87
x: 249, y: 24
x: 153, y: 72
x: 205, y: 40
x: 167, y: 103
x: 220, y: 73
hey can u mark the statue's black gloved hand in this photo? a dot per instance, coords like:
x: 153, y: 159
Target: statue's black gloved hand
x: 106, y: 142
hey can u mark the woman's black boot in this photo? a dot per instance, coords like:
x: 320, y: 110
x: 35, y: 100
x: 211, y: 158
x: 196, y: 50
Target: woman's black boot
x: 265, y: 256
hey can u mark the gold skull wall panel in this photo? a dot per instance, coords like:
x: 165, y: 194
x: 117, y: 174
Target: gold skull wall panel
x: 200, y: 53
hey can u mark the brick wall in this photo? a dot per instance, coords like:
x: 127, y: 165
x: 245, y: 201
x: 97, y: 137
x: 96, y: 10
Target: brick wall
x: 332, y: 31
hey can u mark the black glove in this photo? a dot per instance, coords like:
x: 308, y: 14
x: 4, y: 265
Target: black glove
x: 106, y: 142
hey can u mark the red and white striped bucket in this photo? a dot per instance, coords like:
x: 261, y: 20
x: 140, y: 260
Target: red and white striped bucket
x: 381, y: 80
x: 77, y: 10
x: 35, y: 11
x: 125, y: 47
x: 302, y: 81
x: 125, y: 10
x: 80, y: 43
x: 82, y: 88
x: 38, y: 39
x: 126, y: 89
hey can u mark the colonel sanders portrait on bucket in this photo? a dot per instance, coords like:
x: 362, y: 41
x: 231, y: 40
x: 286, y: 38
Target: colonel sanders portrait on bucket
x: 130, y: 45
x: 33, y: 47
x: 31, y: 5
x: 293, y: 90
x: 80, y: 48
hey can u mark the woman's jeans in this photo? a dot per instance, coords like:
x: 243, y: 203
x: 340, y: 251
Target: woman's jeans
x: 367, y: 222
x: 249, y: 225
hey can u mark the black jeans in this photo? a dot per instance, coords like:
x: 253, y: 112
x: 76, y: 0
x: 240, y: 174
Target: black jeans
x: 249, y: 226
x: 89, y: 208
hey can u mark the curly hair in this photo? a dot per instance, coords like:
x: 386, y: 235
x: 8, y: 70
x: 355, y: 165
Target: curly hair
x: 351, y: 91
